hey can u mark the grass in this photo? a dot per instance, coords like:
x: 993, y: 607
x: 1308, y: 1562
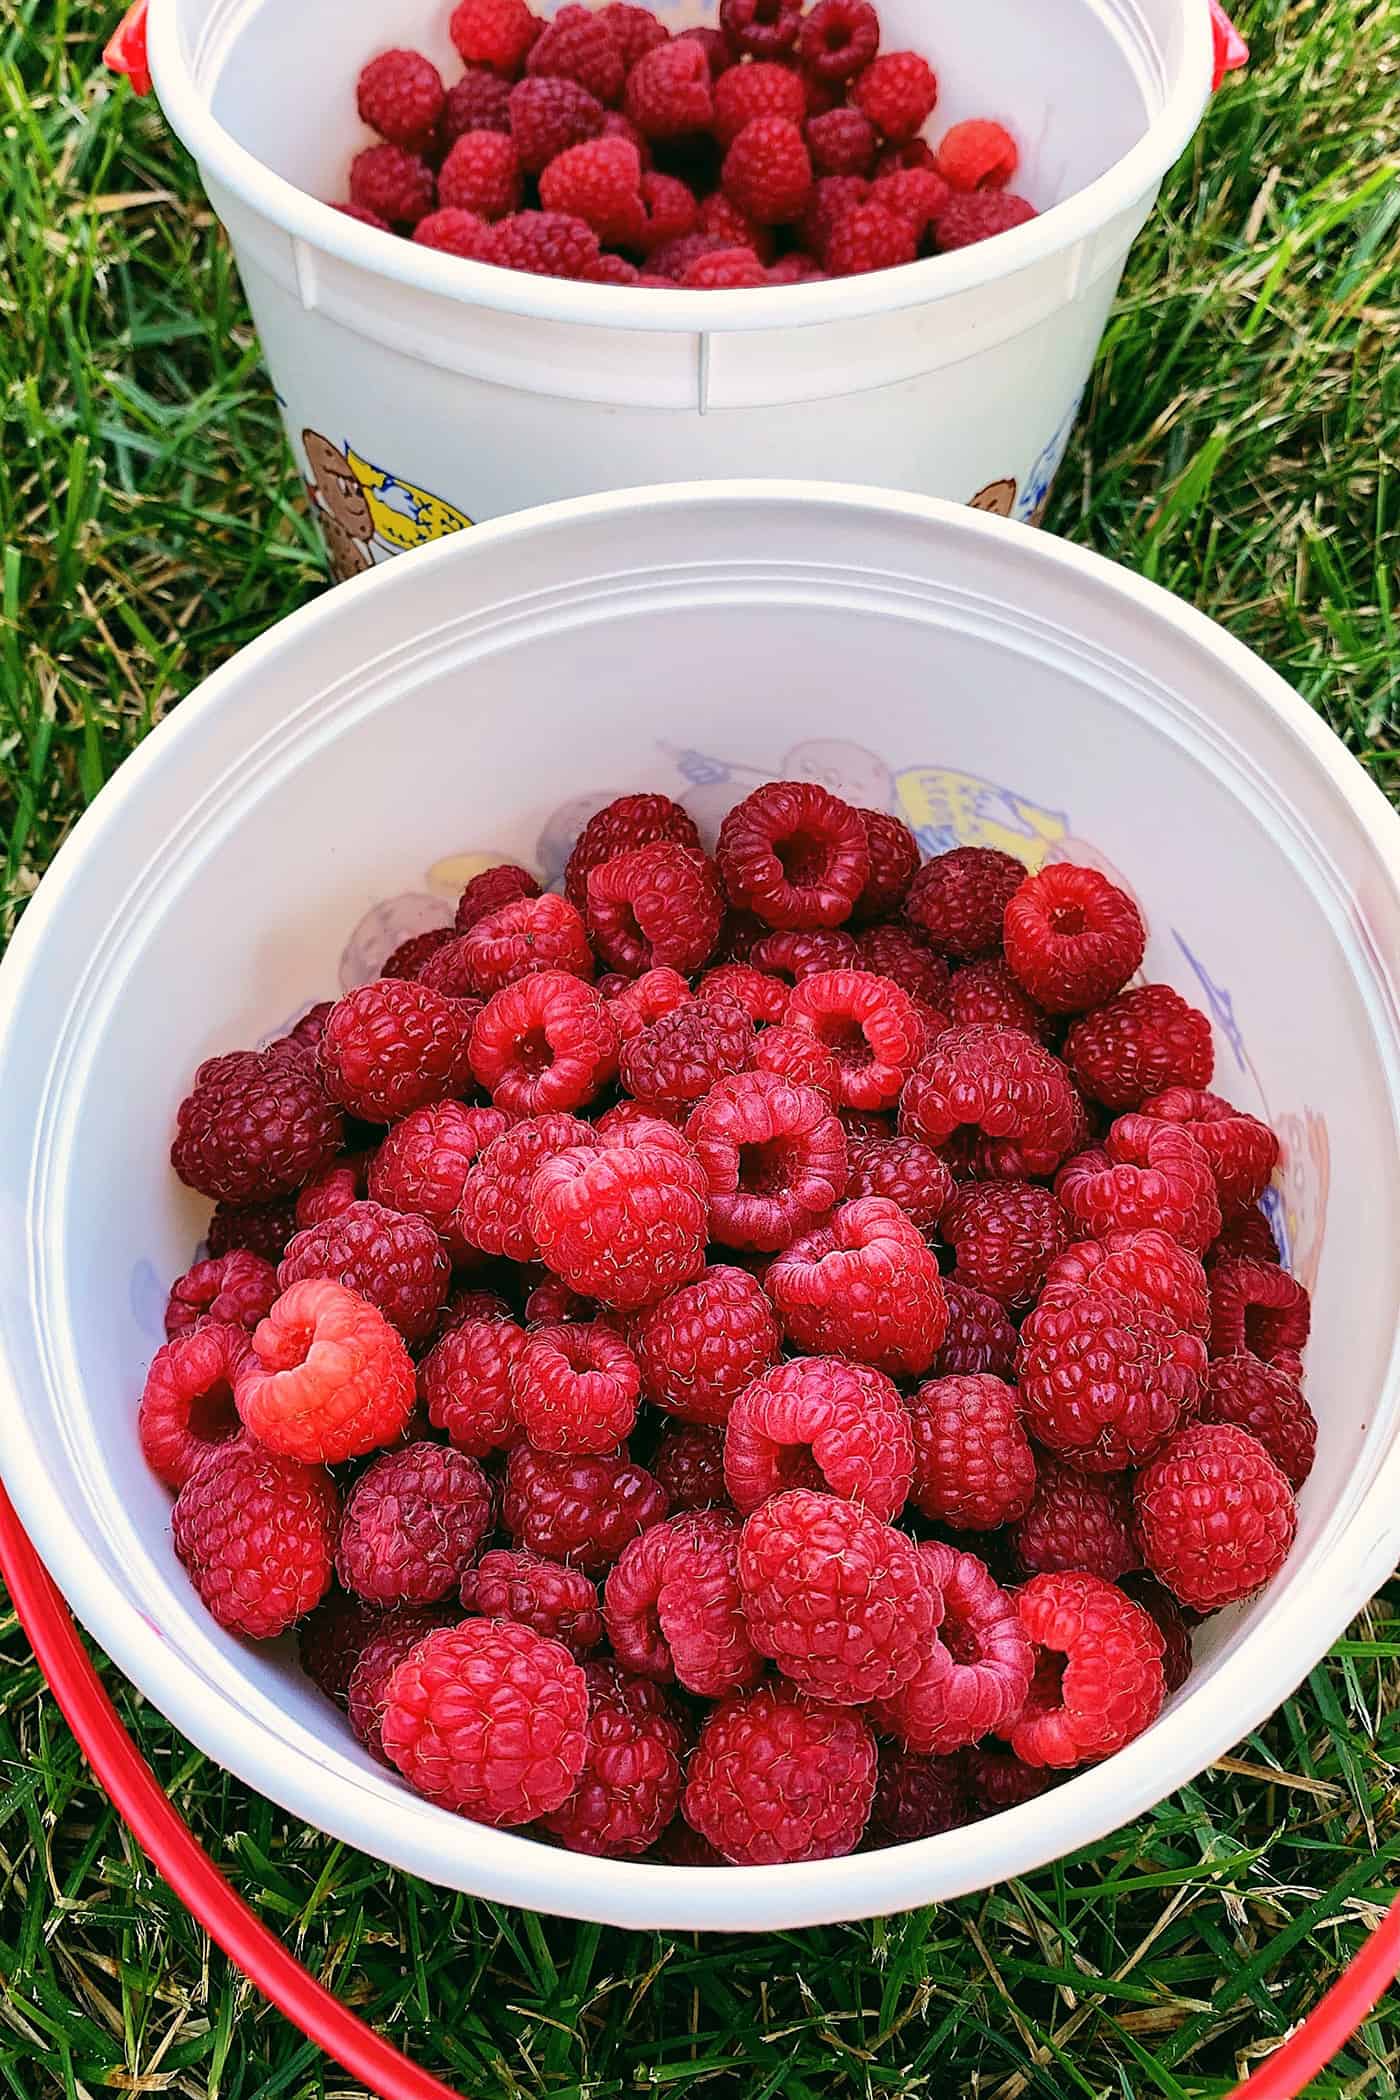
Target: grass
x: 1240, y: 445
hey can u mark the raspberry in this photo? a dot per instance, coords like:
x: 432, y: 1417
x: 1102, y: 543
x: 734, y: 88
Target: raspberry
x: 1258, y: 1307
x: 673, y: 1609
x: 479, y: 101
x: 910, y: 154
x: 1073, y: 938
x: 492, y: 891
x: 793, y: 956
x: 636, y: 30
x: 1078, y: 1521
x: 481, y: 174
x: 394, y: 1261
x: 331, y: 1192
x: 459, y: 233
x: 869, y: 237
x: 466, y: 1305
x: 238, y: 1289
x: 1242, y: 1151
x: 762, y: 995
x: 392, y: 1046
x: 581, y: 45
x: 642, y: 1000
x: 726, y: 270
x: 326, y: 1377
x: 400, y: 95
x: 394, y: 184
x: 774, y: 1159
x: 579, y: 1509
x: 254, y: 1126
x: 412, y: 1524
x: 670, y: 211
x: 560, y: 1603
x: 677, y: 1059
x: 187, y: 1407
x: 1170, y: 1621
x: 656, y: 906
x: 832, y: 197
x: 668, y: 93
x: 260, y: 1228
x: 914, y: 194
x: 1004, y: 1096
x: 546, y: 118
x: 330, y: 1640
x: 1143, y: 1041
x: 838, y: 1600
x: 465, y: 1382
x: 575, y: 1388
x: 700, y: 1346
x: 897, y: 92
x: 973, y: 1465
x: 1004, y: 1234
x: 631, y: 1781
x: 448, y: 972
x: 1216, y: 1516
x: 392, y: 1638
x: 421, y: 1168
x: 841, y: 142
x: 893, y: 851
x: 975, y: 1682
x: 894, y: 951
x: 864, y: 1286
x: 494, y: 33
x: 979, y: 1335
x: 987, y: 992
x: 255, y: 1531
x: 494, y: 1210
x: 916, y: 1797
x: 870, y: 1027
x: 958, y: 900
x: 1246, y: 1232
x: 1110, y: 1684
x: 550, y: 1302
x: 622, y: 1226
x: 363, y: 217
x: 689, y: 1463
x: 1105, y: 1381
x: 839, y: 38
x: 1270, y: 1405
x: 904, y: 1171
x: 977, y: 155
x: 762, y: 90
x: 822, y: 1423
x: 762, y: 29
x: 1145, y: 1174
x: 622, y: 826
x: 1147, y: 1266
x: 776, y: 1777
x: 489, y: 1719
x: 799, y: 1057
x: 307, y: 1032
x: 975, y: 215
x: 794, y: 854
x: 545, y: 1042
x: 533, y: 934
x: 600, y: 183
x: 543, y: 244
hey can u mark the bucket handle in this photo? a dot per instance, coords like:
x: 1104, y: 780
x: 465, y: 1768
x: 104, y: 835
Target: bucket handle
x: 137, y: 1796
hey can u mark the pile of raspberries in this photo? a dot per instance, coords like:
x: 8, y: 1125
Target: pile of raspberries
x: 764, y: 1352
x: 780, y: 147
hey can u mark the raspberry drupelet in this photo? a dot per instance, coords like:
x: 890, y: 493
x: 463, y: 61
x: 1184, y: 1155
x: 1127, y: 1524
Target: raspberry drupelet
x: 820, y: 1422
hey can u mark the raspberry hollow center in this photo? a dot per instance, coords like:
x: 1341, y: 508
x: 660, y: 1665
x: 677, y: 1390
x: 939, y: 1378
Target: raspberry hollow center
x: 846, y: 1042
x: 213, y: 1416
x: 1068, y: 919
x: 533, y: 1053
x: 764, y: 1169
x: 802, y: 858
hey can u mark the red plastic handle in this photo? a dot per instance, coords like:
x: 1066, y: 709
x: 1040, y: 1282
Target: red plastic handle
x: 126, y: 48
x: 1228, y: 47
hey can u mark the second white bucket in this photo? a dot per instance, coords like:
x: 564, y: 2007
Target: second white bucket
x: 423, y: 393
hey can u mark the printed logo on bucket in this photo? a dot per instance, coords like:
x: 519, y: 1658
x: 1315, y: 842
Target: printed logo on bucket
x: 365, y: 512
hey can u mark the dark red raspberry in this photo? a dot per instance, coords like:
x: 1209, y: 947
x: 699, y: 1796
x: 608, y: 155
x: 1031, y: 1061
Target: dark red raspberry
x: 307, y: 1032
x: 1171, y: 1622
x: 975, y: 215
x: 533, y: 934
x: 996, y: 1780
x: 777, y: 1777
x: 1145, y: 1174
x: 838, y: 1599
x: 760, y: 28
x: 583, y: 46
x: 261, y: 1228
x: 794, y: 854
x: 869, y: 237
x: 550, y: 1302
x: 870, y: 1027
x: 465, y: 1382
x: 494, y: 1210
x: 479, y: 101
x: 689, y: 1463
x: 1149, y: 1267
x: 1078, y: 1521
x: 394, y: 1260
x: 448, y: 971
x: 1104, y: 1682
x: 1004, y: 1235
x: 863, y: 1123
x: 675, y: 1062
x: 392, y: 1637
x: 795, y: 1055
x: 987, y: 992
x: 459, y: 233
x: 1258, y: 1307
x: 958, y: 900
x: 332, y: 1191
x: 1242, y: 1151
x: 819, y: 1422
x: 489, y: 1719
x: 893, y: 850
x: 895, y: 951
x: 1269, y: 1404
x: 622, y: 1226
x: 774, y: 1159
x: 979, y: 1335
x: 1215, y: 1514
x: 977, y: 155
x: 897, y: 92
x: 906, y: 1172
x: 671, y: 212
x: 575, y: 1387
x: 545, y: 1042
x: 631, y: 1781
x: 330, y: 1640
x: 422, y: 1166
x: 916, y: 1797
x: 579, y: 1509
x: 975, y: 1681
x: 238, y: 1289
x: 668, y: 93
x: 546, y: 118
x: 394, y: 184
x: 481, y: 174
x: 655, y: 906
x: 622, y: 826
x: 560, y: 1603
x: 400, y: 95
x: 641, y: 1000
x: 326, y: 1377
x: 701, y: 1345
x: 1143, y: 1041
x: 1246, y: 1232
x: 841, y: 142
x: 762, y: 995
x: 392, y: 1046
x: 358, y: 213
x: 832, y: 197
x: 725, y: 270
x: 255, y: 1531
x: 412, y: 1524
x: 187, y: 1407
x: 464, y: 1305
x: 599, y: 182
x: 636, y: 29
x: 255, y: 1125
x: 543, y: 244
x: 761, y: 90
x: 911, y: 153
x: 673, y: 1609
x: 973, y: 1465
x: 492, y: 891
x: 494, y: 33
x: 1005, y: 1099
x: 793, y: 956
x: 1073, y: 938
x: 839, y: 38
x: 916, y: 195
x: 1105, y: 1381
x: 864, y: 1286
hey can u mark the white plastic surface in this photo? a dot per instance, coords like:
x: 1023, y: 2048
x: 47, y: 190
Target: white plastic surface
x: 329, y: 791
x: 454, y: 392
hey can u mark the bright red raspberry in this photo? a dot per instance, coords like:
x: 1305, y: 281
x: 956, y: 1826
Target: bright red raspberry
x: 916, y: 1797
x: 776, y: 1777
x: 869, y: 237
x: 655, y: 906
x: 533, y: 934
x: 958, y: 900
x: 393, y: 1045
x: 1215, y: 1514
x: 897, y: 92
x: 599, y: 182
x: 332, y: 1191
x: 545, y: 1042
x: 975, y: 215
x: 459, y: 233
x: 1102, y: 1683
x: 1242, y: 1151
x: 560, y: 1603
x: 762, y: 29
x: 702, y: 1345
x: 575, y: 1387
x: 903, y: 1170
x: 1004, y: 1235
x: 393, y: 1260
x: 794, y: 854
x: 330, y: 1640
x: 822, y: 1423
x: 624, y: 1226
x: 255, y: 1531
x: 255, y: 1125
x: 1145, y: 1174
x: 394, y: 184
x: 897, y: 952
x: 1007, y: 1101
x: 799, y: 1057
x: 642, y: 1000
x: 479, y: 101
x: 671, y: 211
x: 762, y: 994
x: 393, y: 1636
x: 465, y: 1383
x: 261, y: 1228
x: 400, y: 95
x: 494, y: 1210
x: 744, y: 93
x: 668, y: 93
x: 1256, y: 1306
x: 832, y: 197
x: 1105, y: 1381
x: 987, y: 992
x: 1078, y: 1521
x: 870, y: 1027
x: 543, y: 244
x: 421, y: 1167
x: 583, y: 46
x: 631, y: 1781
x: 1073, y: 938
x: 636, y: 29
x: 675, y: 1062
x: 326, y: 1378
x: 579, y: 1509
x: 973, y: 1465
x: 1142, y: 1042
x: 914, y: 194
x: 546, y: 118
x: 494, y: 33
x: 977, y: 155
x: 689, y: 1463
x: 979, y: 1336
x: 793, y: 956
x: 492, y: 891
x: 1149, y: 1267
x: 841, y: 142
x: 481, y: 174
x: 864, y: 1286
x: 839, y: 38
x: 412, y: 1524
x: 622, y: 826
x: 774, y: 1159
x: 237, y: 1289
x: 837, y: 1599
x: 673, y: 1609
x: 489, y: 1719
x: 1270, y: 1405
x: 187, y: 1407
x: 1171, y: 1622
x: 975, y: 1680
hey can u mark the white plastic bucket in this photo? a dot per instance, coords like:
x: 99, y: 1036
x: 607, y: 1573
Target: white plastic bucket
x: 329, y: 789
x: 422, y: 392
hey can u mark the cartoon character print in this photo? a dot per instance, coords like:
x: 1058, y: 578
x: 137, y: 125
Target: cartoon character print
x: 1029, y: 501
x: 999, y: 497
x: 362, y: 510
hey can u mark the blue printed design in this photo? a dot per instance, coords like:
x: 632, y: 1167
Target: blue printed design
x: 1035, y: 493
x: 1221, y: 1005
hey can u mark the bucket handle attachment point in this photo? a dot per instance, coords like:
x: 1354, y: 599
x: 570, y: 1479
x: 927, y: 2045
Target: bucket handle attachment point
x: 125, y: 50
x: 1229, y: 51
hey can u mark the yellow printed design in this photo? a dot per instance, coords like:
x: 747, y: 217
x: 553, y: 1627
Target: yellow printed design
x: 948, y: 808
x: 404, y: 516
x: 361, y: 508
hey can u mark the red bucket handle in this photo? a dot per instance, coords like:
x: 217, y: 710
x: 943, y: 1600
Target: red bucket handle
x: 1229, y: 51
x: 138, y: 1798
